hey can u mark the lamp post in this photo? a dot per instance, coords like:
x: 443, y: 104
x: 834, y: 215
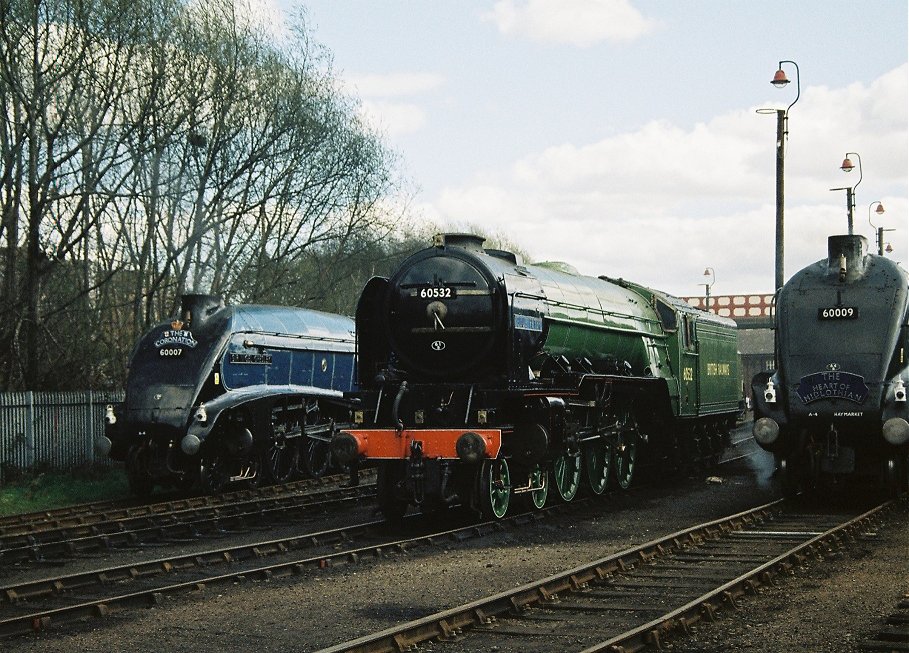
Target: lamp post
x: 879, y: 231
x: 782, y: 131
x: 848, y: 166
x: 708, y: 272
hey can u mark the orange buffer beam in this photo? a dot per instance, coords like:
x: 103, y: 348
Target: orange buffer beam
x: 436, y: 443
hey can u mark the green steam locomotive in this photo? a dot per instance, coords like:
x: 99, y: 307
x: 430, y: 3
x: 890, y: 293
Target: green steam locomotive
x: 483, y: 381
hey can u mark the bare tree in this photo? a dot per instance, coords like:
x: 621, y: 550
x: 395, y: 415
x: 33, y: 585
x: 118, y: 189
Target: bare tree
x: 155, y: 149
x: 62, y: 88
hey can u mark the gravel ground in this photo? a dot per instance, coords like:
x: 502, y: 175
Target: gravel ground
x: 828, y: 606
x: 814, y: 611
x: 308, y: 522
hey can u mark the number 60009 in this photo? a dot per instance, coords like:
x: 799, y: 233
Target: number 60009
x: 838, y: 313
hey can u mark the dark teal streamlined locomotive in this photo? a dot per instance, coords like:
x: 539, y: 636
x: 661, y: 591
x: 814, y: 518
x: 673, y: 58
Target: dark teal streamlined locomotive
x: 232, y: 393
x: 835, y: 407
x: 482, y: 379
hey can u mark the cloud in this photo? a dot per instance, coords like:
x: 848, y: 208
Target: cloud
x: 391, y: 102
x: 394, y: 118
x: 394, y: 85
x: 581, y: 23
x: 660, y: 203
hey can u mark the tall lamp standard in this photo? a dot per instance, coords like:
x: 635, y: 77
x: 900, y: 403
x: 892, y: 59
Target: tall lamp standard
x: 848, y: 166
x: 708, y: 272
x: 879, y: 231
x: 782, y: 131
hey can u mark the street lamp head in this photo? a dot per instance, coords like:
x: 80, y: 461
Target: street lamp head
x: 879, y: 231
x: 848, y: 166
x: 707, y: 272
x: 888, y: 248
x: 779, y: 78
x: 879, y: 210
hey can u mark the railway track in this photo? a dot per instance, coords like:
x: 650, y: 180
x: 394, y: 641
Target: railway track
x: 52, y: 603
x: 99, y: 511
x: 41, y: 604
x: 637, y: 598
x: 34, y: 605
x: 86, y: 528
x: 190, y: 518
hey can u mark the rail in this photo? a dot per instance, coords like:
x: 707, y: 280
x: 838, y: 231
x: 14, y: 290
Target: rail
x: 649, y: 592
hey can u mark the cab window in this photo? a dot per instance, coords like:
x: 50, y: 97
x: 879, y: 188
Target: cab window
x: 689, y: 332
x: 667, y: 316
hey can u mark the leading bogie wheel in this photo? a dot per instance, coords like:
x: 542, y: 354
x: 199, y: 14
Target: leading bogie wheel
x: 566, y: 472
x: 494, y: 491
x: 539, y: 480
x: 282, y: 457
x: 214, y: 472
x: 315, y: 457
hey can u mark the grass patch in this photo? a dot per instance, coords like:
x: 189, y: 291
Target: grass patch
x: 36, y: 491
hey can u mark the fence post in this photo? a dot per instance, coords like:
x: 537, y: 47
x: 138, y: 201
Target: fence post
x: 30, y: 432
x: 90, y: 452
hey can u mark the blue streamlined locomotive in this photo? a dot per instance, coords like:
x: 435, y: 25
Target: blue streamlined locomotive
x: 229, y: 393
x: 836, y: 404
x: 482, y: 379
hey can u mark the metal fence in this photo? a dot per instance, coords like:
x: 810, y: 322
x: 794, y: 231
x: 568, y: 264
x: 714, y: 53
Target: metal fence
x: 51, y: 430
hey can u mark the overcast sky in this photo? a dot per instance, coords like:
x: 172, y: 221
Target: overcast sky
x: 621, y: 136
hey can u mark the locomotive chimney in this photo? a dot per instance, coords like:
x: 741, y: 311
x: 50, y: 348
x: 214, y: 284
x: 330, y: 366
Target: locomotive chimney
x: 465, y: 241
x: 195, y: 309
x: 846, y: 257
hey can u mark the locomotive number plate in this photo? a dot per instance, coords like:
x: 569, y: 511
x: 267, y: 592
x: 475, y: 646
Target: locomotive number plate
x: 436, y: 292
x: 838, y: 313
